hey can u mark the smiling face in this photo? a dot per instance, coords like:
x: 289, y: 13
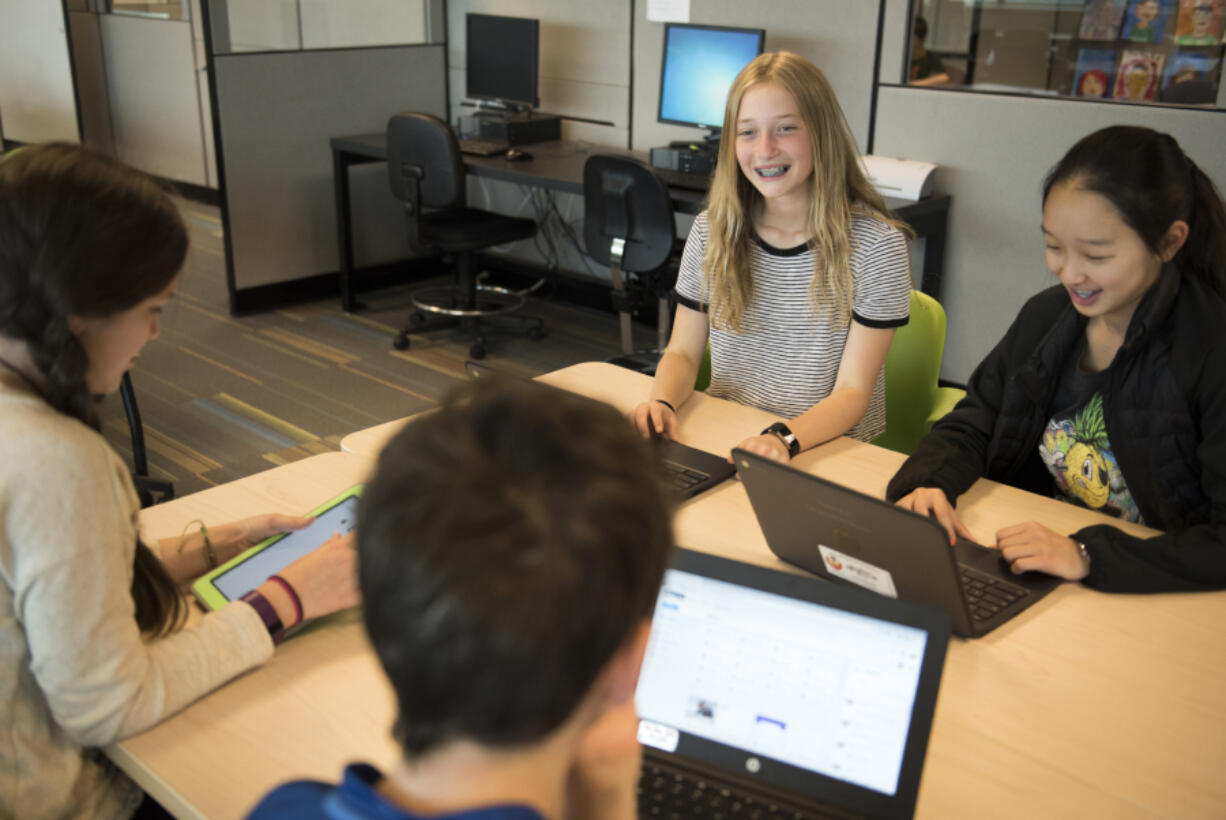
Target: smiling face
x: 773, y: 147
x: 1147, y: 12
x: 1103, y: 264
x: 113, y: 342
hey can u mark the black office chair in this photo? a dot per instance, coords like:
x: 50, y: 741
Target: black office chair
x: 628, y: 226
x: 150, y: 490
x: 427, y: 175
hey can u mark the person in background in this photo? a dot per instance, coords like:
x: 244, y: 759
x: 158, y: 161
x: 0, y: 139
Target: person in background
x: 91, y: 619
x: 511, y: 548
x: 1109, y: 389
x: 926, y: 67
x: 795, y: 274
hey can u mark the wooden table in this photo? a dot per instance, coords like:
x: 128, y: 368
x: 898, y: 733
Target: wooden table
x: 1087, y: 704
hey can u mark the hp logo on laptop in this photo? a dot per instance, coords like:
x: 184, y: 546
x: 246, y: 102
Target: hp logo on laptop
x: 753, y: 765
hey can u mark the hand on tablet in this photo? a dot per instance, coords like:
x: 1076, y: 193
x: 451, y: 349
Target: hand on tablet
x: 231, y: 539
x: 325, y: 580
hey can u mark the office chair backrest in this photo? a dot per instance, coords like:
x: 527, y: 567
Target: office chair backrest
x: 623, y: 199
x: 912, y: 368
x: 424, y: 163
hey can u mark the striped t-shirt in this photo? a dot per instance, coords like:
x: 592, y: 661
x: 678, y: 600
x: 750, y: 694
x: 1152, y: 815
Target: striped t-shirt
x: 786, y: 357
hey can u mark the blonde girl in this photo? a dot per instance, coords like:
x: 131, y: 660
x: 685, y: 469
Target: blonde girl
x: 795, y: 273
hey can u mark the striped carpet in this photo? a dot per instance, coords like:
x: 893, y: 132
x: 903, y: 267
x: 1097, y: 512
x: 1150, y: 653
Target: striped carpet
x: 224, y: 397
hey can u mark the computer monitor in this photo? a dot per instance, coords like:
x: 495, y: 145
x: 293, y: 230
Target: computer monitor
x: 502, y: 58
x: 700, y: 63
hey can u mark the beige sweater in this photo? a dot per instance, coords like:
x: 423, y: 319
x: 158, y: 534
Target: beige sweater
x: 75, y: 673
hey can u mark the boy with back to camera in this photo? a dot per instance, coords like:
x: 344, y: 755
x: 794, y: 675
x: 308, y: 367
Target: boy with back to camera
x: 511, y: 547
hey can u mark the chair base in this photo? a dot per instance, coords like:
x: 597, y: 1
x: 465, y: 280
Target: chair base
x: 475, y: 324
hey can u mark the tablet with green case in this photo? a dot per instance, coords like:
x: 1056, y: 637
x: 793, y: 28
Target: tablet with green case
x: 252, y: 567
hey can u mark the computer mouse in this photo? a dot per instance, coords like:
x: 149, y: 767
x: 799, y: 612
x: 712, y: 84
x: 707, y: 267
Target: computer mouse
x: 514, y: 154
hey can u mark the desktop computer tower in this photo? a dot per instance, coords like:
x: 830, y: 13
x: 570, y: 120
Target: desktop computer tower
x: 520, y: 128
x: 685, y: 160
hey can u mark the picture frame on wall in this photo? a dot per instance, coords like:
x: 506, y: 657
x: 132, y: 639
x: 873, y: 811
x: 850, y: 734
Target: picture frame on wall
x: 1138, y: 75
x: 1192, y: 77
x: 1095, y: 73
x: 1101, y: 19
x: 1199, y: 23
x: 1147, y: 21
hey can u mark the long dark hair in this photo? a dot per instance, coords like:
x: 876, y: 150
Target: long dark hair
x: 84, y: 235
x: 1152, y: 183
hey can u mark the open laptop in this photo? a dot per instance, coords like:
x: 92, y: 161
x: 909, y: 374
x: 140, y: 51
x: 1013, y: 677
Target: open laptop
x: 763, y: 689
x: 845, y: 535
x: 687, y: 470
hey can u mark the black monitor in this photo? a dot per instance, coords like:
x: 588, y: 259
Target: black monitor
x: 502, y: 56
x: 700, y: 63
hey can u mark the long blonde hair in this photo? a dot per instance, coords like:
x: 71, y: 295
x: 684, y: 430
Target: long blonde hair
x: 839, y: 188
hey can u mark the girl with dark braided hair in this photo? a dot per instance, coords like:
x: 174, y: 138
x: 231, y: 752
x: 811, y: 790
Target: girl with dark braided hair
x: 92, y: 635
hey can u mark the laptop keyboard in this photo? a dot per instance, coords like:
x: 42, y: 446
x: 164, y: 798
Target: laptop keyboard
x: 675, y: 795
x: 986, y: 596
x: 680, y: 477
x: 482, y: 148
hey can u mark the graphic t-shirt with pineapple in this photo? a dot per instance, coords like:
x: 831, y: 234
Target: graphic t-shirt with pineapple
x: 1076, y: 449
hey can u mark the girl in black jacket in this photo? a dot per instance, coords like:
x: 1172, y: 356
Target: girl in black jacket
x: 1109, y: 390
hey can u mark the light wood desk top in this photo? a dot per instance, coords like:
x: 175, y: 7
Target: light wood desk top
x: 1087, y: 704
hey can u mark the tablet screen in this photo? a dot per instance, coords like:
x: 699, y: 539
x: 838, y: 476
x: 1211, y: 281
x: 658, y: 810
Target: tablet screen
x: 249, y: 574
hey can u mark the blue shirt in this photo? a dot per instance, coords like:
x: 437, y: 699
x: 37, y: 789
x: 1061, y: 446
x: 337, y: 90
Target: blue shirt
x: 356, y: 798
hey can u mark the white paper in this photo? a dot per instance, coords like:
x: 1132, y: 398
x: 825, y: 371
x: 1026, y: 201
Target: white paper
x: 668, y: 11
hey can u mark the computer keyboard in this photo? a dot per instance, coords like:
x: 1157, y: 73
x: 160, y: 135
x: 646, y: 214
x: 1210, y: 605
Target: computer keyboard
x: 987, y: 596
x: 680, y: 477
x: 683, y: 179
x: 482, y: 148
x: 669, y: 793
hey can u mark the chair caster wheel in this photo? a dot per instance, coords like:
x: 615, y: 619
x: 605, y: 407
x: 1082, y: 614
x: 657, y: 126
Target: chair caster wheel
x: 477, y: 351
x: 401, y: 342
x: 536, y: 332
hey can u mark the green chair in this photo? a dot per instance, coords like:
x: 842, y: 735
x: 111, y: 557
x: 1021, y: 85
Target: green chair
x: 703, y: 380
x: 913, y: 399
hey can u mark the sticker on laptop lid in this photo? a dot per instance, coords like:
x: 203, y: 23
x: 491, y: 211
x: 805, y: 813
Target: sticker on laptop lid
x: 658, y: 736
x: 861, y: 573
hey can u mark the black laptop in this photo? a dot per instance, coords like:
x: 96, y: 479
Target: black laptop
x: 688, y: 470
x: 766, y: 693
x: 845, y: 535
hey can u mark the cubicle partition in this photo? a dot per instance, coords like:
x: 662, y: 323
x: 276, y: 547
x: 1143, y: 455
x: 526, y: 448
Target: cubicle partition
x: 276, y: 104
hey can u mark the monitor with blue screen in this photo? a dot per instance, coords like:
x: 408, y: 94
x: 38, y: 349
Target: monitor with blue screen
x: 700, y: 63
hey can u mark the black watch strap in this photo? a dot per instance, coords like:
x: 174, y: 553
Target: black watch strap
x: 786, y: 435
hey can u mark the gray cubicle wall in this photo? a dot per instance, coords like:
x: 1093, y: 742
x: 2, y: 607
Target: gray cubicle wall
x: 993, y: 152
x: 276, y: 113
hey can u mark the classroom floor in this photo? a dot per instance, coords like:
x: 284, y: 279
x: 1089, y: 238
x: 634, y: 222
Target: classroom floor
x: 224, y: 397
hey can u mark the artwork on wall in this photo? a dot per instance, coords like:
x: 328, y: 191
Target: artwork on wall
x: 1146, y: 21
x: 1192, y: 78
x: 1101, y: 19
x: 1095, y: 70
x: 1138, y: 75
x: 1199, y: 23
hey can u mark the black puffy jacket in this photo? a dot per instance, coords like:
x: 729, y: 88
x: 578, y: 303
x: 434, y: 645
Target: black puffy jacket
x: 1165, y: 401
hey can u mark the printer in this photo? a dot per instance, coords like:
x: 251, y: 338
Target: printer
x: 899, y: 178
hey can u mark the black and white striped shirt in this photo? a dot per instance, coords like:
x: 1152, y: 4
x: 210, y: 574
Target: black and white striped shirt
x: 786, y: 357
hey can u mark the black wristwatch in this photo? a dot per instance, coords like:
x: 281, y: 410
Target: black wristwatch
x: 786, y: 436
